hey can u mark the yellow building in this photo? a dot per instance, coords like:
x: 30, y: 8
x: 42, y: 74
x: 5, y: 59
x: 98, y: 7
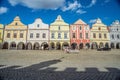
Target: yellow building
x: 59, y: 34
x: 15, y: 35
x: 1, y: 35
x: 99, y: 35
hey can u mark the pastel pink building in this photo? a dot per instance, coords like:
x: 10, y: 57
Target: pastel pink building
x: 79, y: 35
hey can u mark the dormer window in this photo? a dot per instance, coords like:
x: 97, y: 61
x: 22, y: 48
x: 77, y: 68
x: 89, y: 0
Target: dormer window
x: 16, y: 24
x: 38, y: 25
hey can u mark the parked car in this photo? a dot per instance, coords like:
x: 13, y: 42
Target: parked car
x: 104, y: 49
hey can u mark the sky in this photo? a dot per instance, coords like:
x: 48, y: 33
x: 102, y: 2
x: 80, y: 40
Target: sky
x: 70, y: 10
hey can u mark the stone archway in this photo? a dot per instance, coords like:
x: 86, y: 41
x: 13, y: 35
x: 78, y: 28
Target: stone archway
x: 87, y: 45
x: 1, y: 45
x: 74, y: 45
x: 5, y: 45
x: 81, y: 46
x: 52, y: 45
x: 29, y: 46
x: 45, y: 46
x: 107, y: 45
x: 21, y: 46
x: 101, y: 45
x: 58, y: 46
x: 13, y: 45
x: 94, y: 45
x: 65, y: 44
x: 112, y: 45
x: 36, y: 46
x: 118, y: 46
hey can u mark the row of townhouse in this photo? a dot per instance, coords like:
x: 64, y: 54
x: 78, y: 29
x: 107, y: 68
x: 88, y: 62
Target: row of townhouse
x: 58, y: 35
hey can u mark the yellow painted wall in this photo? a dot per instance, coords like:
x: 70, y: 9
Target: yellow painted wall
x: 1, y: 33
x: 103, y: 30
x: 13, y: 28
x: 54, y: 28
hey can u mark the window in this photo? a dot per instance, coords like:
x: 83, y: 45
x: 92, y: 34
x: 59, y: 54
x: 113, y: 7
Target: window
x: 105, y: 36
x: 118, y: 36
x: 37, y: 35
x: 117, y: 29
x: 31, y: 35
x: 80, y: 35
x: 8, y: 35
x: 15, y: 35
x: 99, y: 28
x: 73, y: 35
x: 74, y: 28
x: 59, y: 28
x: 86, y: 28
x: 52, y: 35
x: 100, y: 35
x: 86, y: 35
x: 59, y: 35
x: 21, y: 35
x: 94, y: 35
x: 80, y: 28
x: 65, y: 35
x: 38, y: 25
x: 44, y: 35
x: 112, y: 36
x: 16, y: 24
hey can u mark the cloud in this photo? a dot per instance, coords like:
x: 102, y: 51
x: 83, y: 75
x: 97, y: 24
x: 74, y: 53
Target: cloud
x: 93, y: 2
x: 3, y: 10
x: 38, y: 4
x: 71, y: 6
x: 92, y: 21
x: 106, y: 1
x: 80, y: 11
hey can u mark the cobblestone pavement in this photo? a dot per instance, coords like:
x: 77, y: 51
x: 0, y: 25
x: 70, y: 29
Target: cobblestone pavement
x: 58, y: 65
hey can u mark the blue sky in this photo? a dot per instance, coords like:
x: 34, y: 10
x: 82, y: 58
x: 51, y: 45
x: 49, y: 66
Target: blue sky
x: 70, y: 10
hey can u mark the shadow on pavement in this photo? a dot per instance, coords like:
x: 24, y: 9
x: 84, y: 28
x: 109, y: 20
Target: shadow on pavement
x: 42, y: 71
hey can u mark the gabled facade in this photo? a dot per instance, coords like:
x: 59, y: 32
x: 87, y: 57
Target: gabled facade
x: 99, y: 35
x: 38, y: 35
x: 15, y: 35
x: 1, y: 35
x: 59, y: 34
x: 79, y: 35
x: 115, y: 34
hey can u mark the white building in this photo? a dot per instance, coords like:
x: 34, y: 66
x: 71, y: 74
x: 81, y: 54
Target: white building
x: 38, y: 35
x: 115, y: 34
